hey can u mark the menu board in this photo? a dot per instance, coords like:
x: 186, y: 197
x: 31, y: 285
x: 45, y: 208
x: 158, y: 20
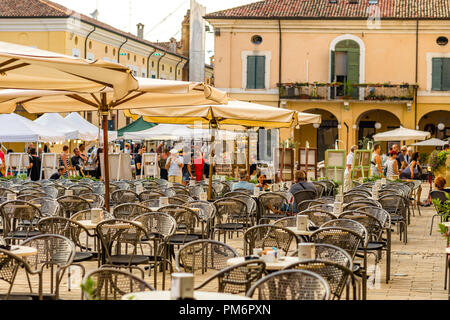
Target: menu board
x: 335, y: 165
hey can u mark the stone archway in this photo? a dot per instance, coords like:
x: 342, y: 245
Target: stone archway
x: 432, y: 121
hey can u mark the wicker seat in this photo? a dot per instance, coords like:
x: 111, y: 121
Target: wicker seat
x: 97, y: 200
x: 231, y: 216
x: 72, y: 204
x: 290, y: 285
x: 271, y: 205
x: 124, y: 196
x: 129, y: 211
x: 19, y: 219
x: 394, y: 204
x: 237, y: 279
x: 269, y: 236
x: 52, y: 250
x: 113, y: 284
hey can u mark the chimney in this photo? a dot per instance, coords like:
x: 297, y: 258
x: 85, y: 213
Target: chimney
x: 140, y: 31
x: 173, y: 45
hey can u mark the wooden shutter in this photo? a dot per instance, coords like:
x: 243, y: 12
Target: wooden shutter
x: 353, y: 69
x: 436, y: 74
x: 260, y: 72
x: 251, y: 69
x: 445, y: 74
x: 333, y: 72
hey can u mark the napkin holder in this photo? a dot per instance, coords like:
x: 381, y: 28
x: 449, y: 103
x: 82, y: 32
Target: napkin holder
x: 182, y: 286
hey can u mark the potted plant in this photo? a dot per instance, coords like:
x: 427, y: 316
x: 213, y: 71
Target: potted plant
x: 348, y: 90
x: 444, y: 209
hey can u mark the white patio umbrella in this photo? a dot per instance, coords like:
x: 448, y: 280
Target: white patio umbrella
x: 402, y: 134
x: 433, y: 142
x: 54, y: 121
x: 15, y: 128
x: 86, y: 130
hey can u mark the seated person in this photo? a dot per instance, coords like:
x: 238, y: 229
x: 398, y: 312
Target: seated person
x: 261, y: 185
x: 58, y: 174
x: 440, y: 183
x: 243, y: 182
x: 301, y: 184
x: 77, y: 161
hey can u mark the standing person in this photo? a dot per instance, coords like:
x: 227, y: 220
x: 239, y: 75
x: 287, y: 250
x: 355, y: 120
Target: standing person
x: 186, y: 170
x: 162, y: 160
x: 98, y: 155
x: 2, y: 162
x: 392, y: 164
x: 375, y: 167
x: 348, y: 168
x: 199, y: 163
x: 138, y: 161
x: 34, y: 168
x: 77, y: 161
x: 174, y: 166
x: 127, y: 148
x: 64, y: 160
x: 414, y: 171
x: 408, y: 156
x: 83, y: 154
x: 401, y: 159
x: 46, y: 148
x: 160, y: 148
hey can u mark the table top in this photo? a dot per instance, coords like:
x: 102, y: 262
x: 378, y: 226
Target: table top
x: 300, y: 232
x: 282, y: 262
x: 198, y: 295
x: 88, y: 224
x: 23, y: 251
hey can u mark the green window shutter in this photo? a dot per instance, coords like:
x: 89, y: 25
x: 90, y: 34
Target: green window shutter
x: 353, y: 70
x: 260, y: 74
x: 446, y: 74
x: 436, y: 74
x: 251, y: 68
x: 333, y: 65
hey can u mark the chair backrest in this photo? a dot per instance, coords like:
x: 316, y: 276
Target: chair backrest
x: 330, y: 252
x: 344, y: 238
x: 65, y: 227
x: 290, y: 285
x: 302, y: 195
x: 371, y: 223
x: 184, y: 216
x: 207, y: 209
x: 202, y: 255
x: 10, y: 264
x: 72, y: 204
x: 51, y: 249
x: 98, y: 200
x: 180, y: 191
x: 290, y: 222
x: 354, y: 196
x: 87, y: 215
x: 79, y: 189
x: 177, y: 201
x: 29, y: 197
x: 271, y: 200
x: 49, y: 206
x: 30, y: 190
x: 129, y: 211
x: 195, y: 191
x: 18, y: 215
x: 305, y: 204
x: 439, y: 194
x: 150, y: 195
x: 320, y: 187
x: 394, y: 204
x: 230, y: 208
x: 124, y: 196
x: 269, y: 236
x: 317, y: 216
x: 350, y: 224
x: 330, y: 187
x: 51, y: 191
x: 113, y: 284
x: 355, y: 205
x: 157, y: 224
x: 323, y: 206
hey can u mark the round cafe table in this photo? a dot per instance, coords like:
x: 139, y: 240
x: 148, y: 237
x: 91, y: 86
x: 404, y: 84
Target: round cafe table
x: 198, y: 295
x: 280, y: 264
x: 23, y: 251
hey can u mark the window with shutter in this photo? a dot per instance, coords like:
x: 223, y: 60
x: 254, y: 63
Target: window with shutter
x: 440, y: 74
x: 256, y: 72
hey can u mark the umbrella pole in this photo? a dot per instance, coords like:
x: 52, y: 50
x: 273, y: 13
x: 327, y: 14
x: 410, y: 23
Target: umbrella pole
x: 213, y: 138
x: 105, y: 148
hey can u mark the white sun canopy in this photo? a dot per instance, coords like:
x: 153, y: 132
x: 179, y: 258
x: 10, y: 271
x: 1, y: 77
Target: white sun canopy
x: 56, y: 122
x: 15, y: 128
x: 401, y: 134
x: 86, y: 130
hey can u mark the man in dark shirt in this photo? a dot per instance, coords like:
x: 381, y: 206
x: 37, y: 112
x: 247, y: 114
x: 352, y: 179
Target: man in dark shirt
x: 401, y: 160
x: 34, y: 168
x: 58, y: 174
x: 301, y: 184
x: 138, y: 161
x: 77, y: 160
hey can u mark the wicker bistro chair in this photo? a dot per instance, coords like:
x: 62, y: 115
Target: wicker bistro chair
x: 29, y: 197
x: 323, y: 207
x: 51, y: 191
x: 269, y: 236
x: 72, y: 204
x: 237, y: 279
x: 270, y: 206
x: 49, y: 207
x: 4, y: 193
x: 123, y: 196
x: 149, y: 184
x: 61, y: 190
x: 303, y: 195
x: 231, y: 216
x: 151, y: 203
x: 129, y: 211
x: 201, y: 256
x: 97, y: 200
x: 440, y: 196
x: 396, y: 207
x: 305, y: 204
x: 330, y: 188
x: 113, y: 284
x: 180, y: 190
x: 19, y: 219
x: 183, y: 198
x: 52, y: 251
x: 290, y: 285
x: 32, y: 184
x: 160, y: 227
x: 195, y: 191
x: 32, y: 191
x: 150, y: 195
x: 318, y: 216
x: 207, y: 212
x: 79, y: 189
x: 320, y: 187
x: 361, y: 191
x: 354, y: 196
x: 178, y: 201
x: 355, y: 205
x: 119, y: 233
x: 252, y: 205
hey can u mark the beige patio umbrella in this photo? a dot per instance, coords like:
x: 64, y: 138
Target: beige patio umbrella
x: 235, y: 113
x: 150, y: 93
x: 401, y: 134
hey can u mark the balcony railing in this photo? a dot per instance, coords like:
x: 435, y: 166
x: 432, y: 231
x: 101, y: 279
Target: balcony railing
x: 347, y: 91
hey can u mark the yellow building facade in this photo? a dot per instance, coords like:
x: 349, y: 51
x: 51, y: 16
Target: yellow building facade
x: 364, y: 77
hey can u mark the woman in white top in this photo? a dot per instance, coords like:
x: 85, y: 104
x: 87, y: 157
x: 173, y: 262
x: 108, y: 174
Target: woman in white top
x: 391, y: 164
x: 375, y: 167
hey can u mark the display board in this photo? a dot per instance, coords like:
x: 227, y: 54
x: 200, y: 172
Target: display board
x: 48, y: 164
x: 361, y: 164
x: 119, y: 166
x: 335, y: 165
x: 17, y: 163
x: 307, y: 161
x: 149, y: 165
x: 286, y: 163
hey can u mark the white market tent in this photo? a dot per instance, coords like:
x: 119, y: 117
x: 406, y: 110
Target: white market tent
x: 57, y: 123
x: 86, y: 130
x: 15, y: 128
x: 401, y: 134
x: 431, y: 143
x: 177, y: 132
